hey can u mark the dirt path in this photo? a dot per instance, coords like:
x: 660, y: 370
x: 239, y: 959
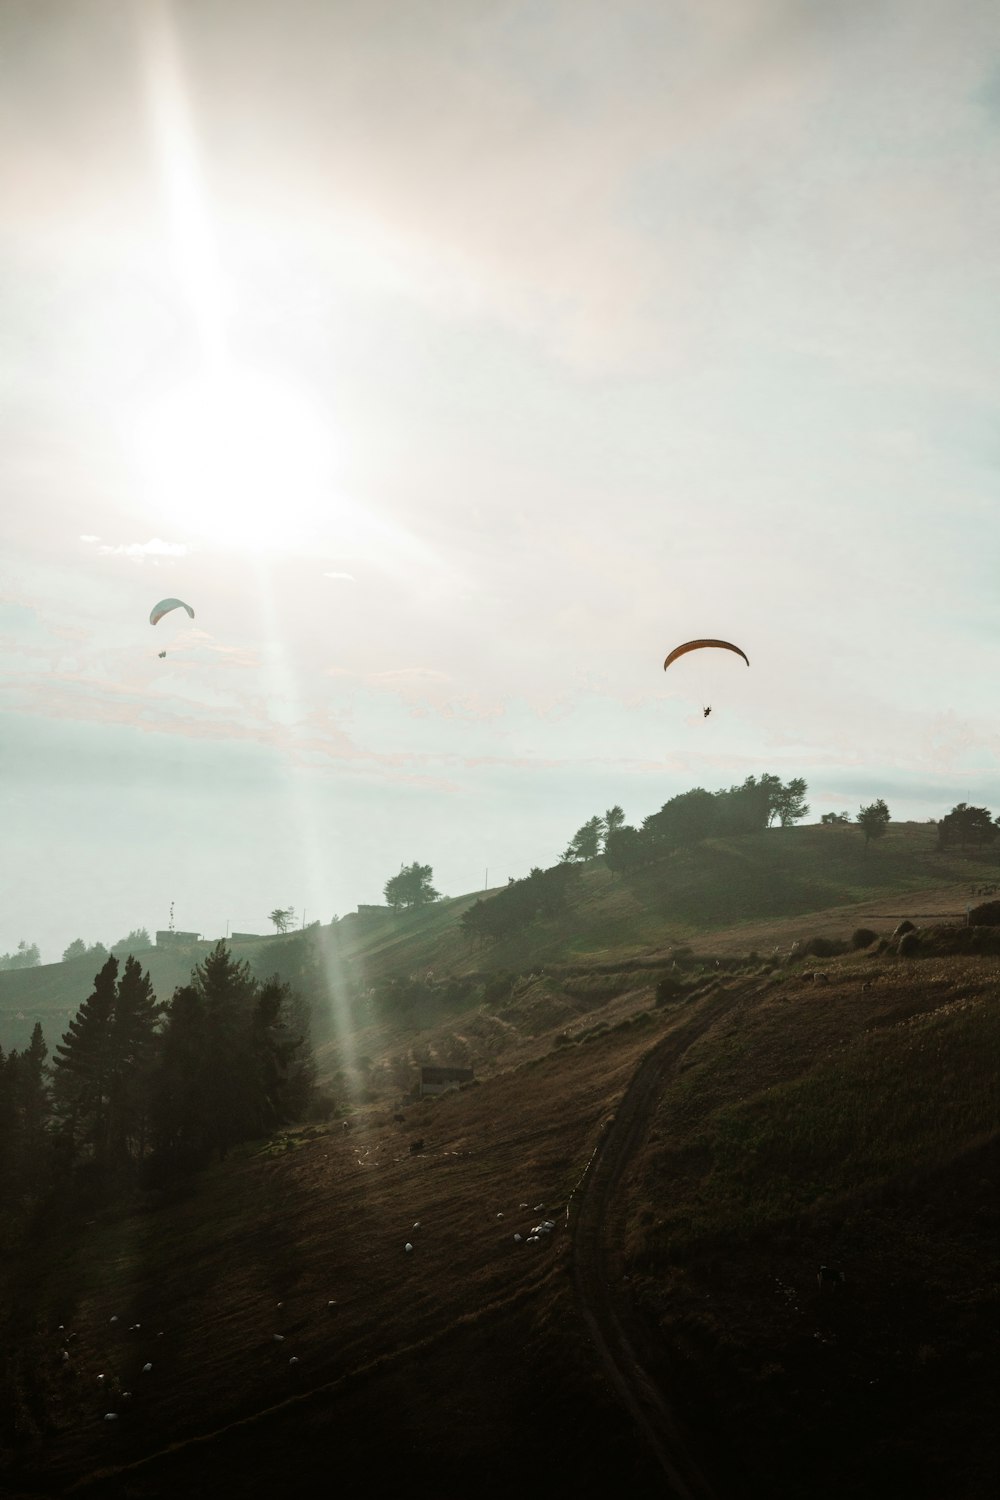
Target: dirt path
x: 596, y: 1212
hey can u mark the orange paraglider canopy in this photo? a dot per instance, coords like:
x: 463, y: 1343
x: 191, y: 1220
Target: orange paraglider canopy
x: 697, y: 645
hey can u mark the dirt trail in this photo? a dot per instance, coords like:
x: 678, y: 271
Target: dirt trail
x: 596, y: 1212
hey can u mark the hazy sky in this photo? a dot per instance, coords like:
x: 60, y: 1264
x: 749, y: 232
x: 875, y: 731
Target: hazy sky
x: 455, y: 361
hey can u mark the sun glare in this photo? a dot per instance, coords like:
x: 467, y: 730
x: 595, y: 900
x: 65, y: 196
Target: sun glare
x: 237, y: 459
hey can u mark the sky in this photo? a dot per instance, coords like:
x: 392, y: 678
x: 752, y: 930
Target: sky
x: 454, y: 361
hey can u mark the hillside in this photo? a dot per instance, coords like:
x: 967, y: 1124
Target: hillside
x: 741, y: 893
x: 785, y: 1124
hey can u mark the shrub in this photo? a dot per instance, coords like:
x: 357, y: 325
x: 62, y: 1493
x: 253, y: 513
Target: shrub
x: 823, y: 947
x: 863, y: 937
x: 908, y: 945
x: 669, y: 987
x: 904, y: 926
x: 498, y: 988
x: 986, y: 915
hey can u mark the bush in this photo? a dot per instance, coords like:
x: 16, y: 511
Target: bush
x: 904, y: 926
x: 863, y: 937
x: 822, y: 947
x: 668, y: 988
x: 499, y: 987
x: 986, y: 915
x: 908, y: 945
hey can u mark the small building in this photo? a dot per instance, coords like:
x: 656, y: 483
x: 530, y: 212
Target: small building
x: 440, y: 1080
x: 248, y: 937
x: 174, y: 939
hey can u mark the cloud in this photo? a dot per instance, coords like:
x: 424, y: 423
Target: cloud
x: 347, y: 577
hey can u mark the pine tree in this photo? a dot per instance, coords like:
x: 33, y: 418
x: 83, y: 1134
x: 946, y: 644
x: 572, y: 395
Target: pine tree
x: 229, y: 992
x: 134, y: 1043
x: 84, y: 1069
x: 182, y: 1084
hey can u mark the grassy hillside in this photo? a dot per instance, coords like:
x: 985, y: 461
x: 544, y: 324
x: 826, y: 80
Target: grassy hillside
x: 853, y: 1122
x: 743, y: 891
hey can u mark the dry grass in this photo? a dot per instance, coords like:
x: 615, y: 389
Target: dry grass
x: 812, y: 1122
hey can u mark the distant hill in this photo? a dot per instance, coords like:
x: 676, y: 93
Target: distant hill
x: 739, y: 892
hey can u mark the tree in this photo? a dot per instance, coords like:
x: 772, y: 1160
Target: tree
x: 685, y: 819
x: 838, y: 820
x: 182, y: 1086
x: 27, y: 956
x: 134, y: 1045
x: 235, y: 1061
x: 411, y: 887
x: 76, y: 949
x: 282, y: 917
x: 24, y: 1115
x: 874, y: 820
x: 586, y: 842
x: 103, y: 1066
x: 624, y: 849
x: 966, y: 825
x: 544, y: 894
x: 613, y: 821
x: 788, y: 802
x: 82, y: 1078
x: 137, y: 940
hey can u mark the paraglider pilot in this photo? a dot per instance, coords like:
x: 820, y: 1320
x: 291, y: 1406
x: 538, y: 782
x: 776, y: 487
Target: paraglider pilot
x: 706, y: 711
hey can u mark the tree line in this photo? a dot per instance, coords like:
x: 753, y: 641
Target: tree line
x: 162, y: 1087
x: 689, y: 818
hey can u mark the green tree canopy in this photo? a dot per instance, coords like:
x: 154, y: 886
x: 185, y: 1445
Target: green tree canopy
x: 613, y: 820
x: 873, y: 820
x: 136, y: 941
x: 685, y: 819
x: 411, y: 887
x: 586, y: 842
x: 966, y: 825
x: 26, y: 956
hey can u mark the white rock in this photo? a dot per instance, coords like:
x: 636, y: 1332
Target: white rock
x: 111, y: 1416
x: 407, y: 1247
x: 517, y: 1239
x: 294, y: 1360
x: 279, y: 1338
x: 146, y: 1369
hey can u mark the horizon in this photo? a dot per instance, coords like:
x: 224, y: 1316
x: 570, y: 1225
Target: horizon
x: 453, y: 368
